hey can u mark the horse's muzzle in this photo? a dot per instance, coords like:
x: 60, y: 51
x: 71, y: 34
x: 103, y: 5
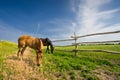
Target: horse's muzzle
x: 38, y: 64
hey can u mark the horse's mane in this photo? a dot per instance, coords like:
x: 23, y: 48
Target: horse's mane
x: 50, y: 43
x: 47, y: 42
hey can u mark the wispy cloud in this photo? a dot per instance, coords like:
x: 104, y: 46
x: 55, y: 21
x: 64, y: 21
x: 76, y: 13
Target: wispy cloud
x: 62, y: 26
x: 72, y: 5
x: 90, y: 18
x: 8, y: 32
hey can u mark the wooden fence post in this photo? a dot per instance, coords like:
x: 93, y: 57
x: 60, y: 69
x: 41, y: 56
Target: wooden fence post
x: 75, y: 44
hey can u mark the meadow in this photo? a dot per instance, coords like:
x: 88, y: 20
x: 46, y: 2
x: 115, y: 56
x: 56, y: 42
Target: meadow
x: 6, y: 49
x: 64, y: 65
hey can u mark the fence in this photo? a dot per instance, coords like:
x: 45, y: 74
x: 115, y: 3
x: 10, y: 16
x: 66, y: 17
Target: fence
x: 75, y: 38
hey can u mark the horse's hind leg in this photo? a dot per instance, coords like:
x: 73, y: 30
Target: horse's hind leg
x: 18, y: 53
x: 22, y: 51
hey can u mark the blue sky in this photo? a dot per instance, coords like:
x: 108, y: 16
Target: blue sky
x: 59, y: 19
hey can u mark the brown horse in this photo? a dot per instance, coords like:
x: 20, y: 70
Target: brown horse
x: 47, y: 42
x: 34, y: 43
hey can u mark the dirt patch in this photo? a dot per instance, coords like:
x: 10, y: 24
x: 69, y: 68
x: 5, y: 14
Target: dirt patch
x: 104, y: 75
x: 22, y: 70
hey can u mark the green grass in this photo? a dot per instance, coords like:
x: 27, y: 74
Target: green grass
x: 84, y: 64
x: 89, y: 47
x: 6, y: 48
x: 65, y: 66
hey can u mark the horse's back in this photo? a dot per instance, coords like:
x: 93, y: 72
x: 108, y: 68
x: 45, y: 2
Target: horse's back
x: 30, y: 41
x: 23, y: 39
x: 46, y: 41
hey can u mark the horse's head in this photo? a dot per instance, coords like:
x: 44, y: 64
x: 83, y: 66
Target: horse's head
x: 46, y: 41
x: 49, y: 42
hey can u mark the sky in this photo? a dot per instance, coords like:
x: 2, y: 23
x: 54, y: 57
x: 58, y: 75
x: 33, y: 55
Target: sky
x: 59, y: 19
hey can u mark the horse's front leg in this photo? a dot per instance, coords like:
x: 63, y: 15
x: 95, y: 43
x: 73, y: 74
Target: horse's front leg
x: 39, y: 57
x: 47, y: 50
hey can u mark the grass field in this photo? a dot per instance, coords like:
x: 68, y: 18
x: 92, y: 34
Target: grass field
x: 6, y: 49
x: 65, y: 66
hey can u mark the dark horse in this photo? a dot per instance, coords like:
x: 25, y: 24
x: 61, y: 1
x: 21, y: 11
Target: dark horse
x: 34, y: 43
x: 47, y: 42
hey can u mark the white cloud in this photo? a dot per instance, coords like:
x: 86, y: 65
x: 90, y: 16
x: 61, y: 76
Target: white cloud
x: 72, y: 5
x: 10, y: 33
x: 90, y: 18
x: 62, y: 26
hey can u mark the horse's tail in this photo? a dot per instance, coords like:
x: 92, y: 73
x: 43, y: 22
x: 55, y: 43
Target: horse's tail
x: 18, y: 42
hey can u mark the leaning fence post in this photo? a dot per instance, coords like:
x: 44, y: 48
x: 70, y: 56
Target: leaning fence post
x: 75, y: 44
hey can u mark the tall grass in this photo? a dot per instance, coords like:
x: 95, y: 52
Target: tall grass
x: 84, y: 64
x: 6, y: 48
x: 74, y: 67
x: 65, y: 66
x: 89, y: 47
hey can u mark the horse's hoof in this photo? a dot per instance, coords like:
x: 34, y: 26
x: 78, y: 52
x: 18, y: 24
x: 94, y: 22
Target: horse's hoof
x: 38, y: 64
